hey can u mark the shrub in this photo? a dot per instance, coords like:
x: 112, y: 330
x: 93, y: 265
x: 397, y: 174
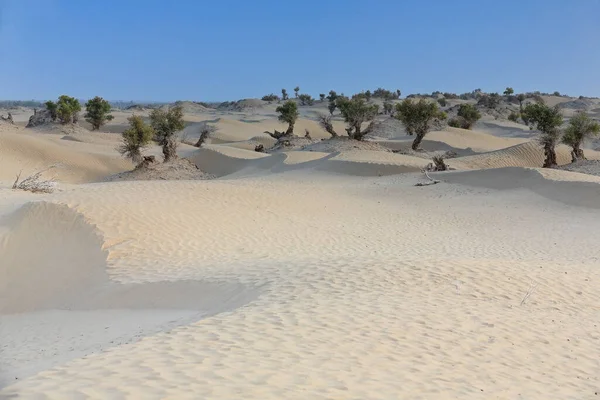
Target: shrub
x: 52, y: 108
x: 296, y: 90
x: 450, y: 96
x: 521, y: 98
x: 470, y: 114
x: 509, y: 91
x: 368, y: 95
x: 165, y: 125
x: 306, y: 100
x: 457, y: 122
x: 388, y: 107
x: 135, y: 138
x: 355, y: 113
x: 270, y: 97
x: 284, y: 94
x: 67, y: 108
x: 548, y: 121
x: 581, y: 127
x: 386, y: 94
x: 514, y: 117
x: 418, y: 118
x: 442, y: 102
x: 205, y: 132
x: 490, y: 101
x: 97, y: 112
x: 557, y: 93
x: 322, y: 97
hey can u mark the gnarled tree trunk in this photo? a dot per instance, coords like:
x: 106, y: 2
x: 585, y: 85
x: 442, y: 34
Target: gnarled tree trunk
x: 550, y: 153
x: 290, y: 130
x: 170, y: 149
x: 417, y: 142
x: 577, y: 153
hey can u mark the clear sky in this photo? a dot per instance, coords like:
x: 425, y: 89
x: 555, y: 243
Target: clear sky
x: 230, y: 49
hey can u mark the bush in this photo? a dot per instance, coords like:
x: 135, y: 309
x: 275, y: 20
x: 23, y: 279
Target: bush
x: 135, y: 138
x: 557, y: 93
x: 284, y: 94
x: 509, y: 91
x: 296, y: 90
x: 67, y: 108
x: 386, y: 94
x: 355, y: 113
x: 418, y: 118
x: 270, y: 97
x: 581, y: 127
x: 388, y: 107
x: 457, y: 122
x: 470, y: 114
x: 52, y: 108
x: 97, y: 112
x: 514, y: 117
x: 450, y: 96
x: 165, y: 125
x: 442, y: 102
x: 322, y: 97
x: 306, y: 100
x: 490, y: 101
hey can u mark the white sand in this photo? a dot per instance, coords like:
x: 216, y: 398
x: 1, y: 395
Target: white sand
x: 311, y: 278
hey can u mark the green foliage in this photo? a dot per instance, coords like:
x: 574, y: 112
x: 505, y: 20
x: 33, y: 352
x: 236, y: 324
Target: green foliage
x: 368, y: 95
x: 135, y: 138
x: 418, y: 118
x: 288, y: 112
x: 509, y: 91
x: 514, y: 117
x: 557, y: 93
x: 398, y: 93
x: 521, y: 98
x: 442, y: 102
x: 52, y: 108
x: 450, y: 96
x: 355, y: 113
x: 332, y: 101
x: 386, y: 94
x: 284, y: 94
x: 270, y: 97
x: 165, y: 124
x: 306, y: 100
x: 490, y: 101
x: 547, y: 120
x: 581, y: 127
x: 322, y: 97
x: 97, y: 112
x: 67, y: 108
x: 296, y: 90
x: 470, y: 114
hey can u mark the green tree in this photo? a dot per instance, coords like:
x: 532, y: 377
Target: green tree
x: 306, y: 99
x: 97, y: 112
x: 322, y: 97
x: 135, y: 139
x: 332, y: 101
x: 67, y: 108
x: 581, y: 127
x: 52, y: 108
x: 398, y: 93
x: 368, y: 95
x: 509, y: 91
x: 296, y: 90
x: 419, y: 118
x: 288, y: 113
x: 355, y: 113
x: 165, y: 124
x: 284, y: 94
x: 548, y: 121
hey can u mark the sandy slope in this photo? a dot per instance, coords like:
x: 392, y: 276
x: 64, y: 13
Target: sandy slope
x: 361, y: 281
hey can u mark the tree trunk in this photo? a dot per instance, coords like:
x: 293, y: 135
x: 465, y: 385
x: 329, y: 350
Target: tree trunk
x: 550, y: 153
x: 417, y: 142
x: 170, y: 149
x: 577, y: 153
x: 290, y: 130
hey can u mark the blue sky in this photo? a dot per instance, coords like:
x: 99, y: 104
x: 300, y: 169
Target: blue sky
x: 225, y: 50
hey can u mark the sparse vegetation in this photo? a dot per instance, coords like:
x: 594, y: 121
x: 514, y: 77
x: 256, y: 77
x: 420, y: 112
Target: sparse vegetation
x: 356, y: 112
x: 306, y: 100
x: 52, y: 108
x: 332, y: 101
x: 490, y: 101
x: 581, y: 127
x: 296, y: 90
x: 270, y: 97
x: 284, y: 94
x: 205, y: 132
x: 388, y: 107
x: 548, y: 121
x: 514, y: 117
x: 442, y: 102
x: 135, y: 138
x: 67, y: 109
x: 386, y: 94
x: 35, y: 183
x: 509, y: 91
x: 288, y: 113
x: 521, y: 98
x: 322, y: 97
x: 469, y: 115
x: 557, y: 93
x: 419, y: 118
x: 97, y: 112
x: 165, y: 125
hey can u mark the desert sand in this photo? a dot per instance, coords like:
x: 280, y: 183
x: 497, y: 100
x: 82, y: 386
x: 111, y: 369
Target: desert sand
x: 323, y: 274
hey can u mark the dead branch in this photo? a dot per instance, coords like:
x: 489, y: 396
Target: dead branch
x: 35, y: 183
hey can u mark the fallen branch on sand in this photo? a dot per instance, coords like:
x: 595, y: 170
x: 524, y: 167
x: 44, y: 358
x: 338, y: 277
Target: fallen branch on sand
x: 430, y: 182
x: 532, y: 286
x: 34, y: 183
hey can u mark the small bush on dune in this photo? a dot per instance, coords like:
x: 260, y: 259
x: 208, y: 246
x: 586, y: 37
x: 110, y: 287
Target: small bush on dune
x: 270, y: 97
x: 581, y: 127
x: 52, y: 108
x: 205, y: 132
x: 419, y: 118
x: 135, y: 138
x: 306, y: 100
x: 514, y: 117
x: 469, y: 114
x: 165, y: 125
x: 97, y: 112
